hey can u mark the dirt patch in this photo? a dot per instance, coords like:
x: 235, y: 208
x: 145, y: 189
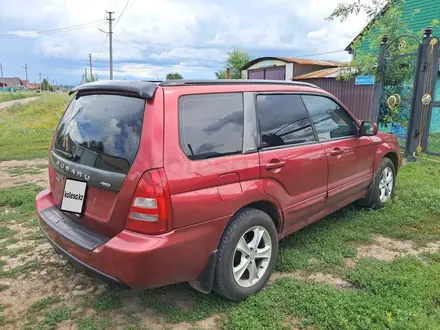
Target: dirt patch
x: 178, y: 299
x: 209, y: 323
x: 291, y: 322
x: 388, y: 249
x: 335, y: 281
x: 17, y: 172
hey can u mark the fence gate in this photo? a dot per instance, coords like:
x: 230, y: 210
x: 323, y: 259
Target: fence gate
x: 403, y: 97
x: 397, y: 84
x: 431, y: 136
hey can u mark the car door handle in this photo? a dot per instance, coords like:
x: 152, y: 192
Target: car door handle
x: 336, y: 151
x: 274, y: 164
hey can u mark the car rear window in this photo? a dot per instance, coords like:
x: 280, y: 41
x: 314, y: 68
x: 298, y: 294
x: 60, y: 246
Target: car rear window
x: 101, y: 131
x: 211, y: 125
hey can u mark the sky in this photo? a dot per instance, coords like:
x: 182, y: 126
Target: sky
x: 154, y: 37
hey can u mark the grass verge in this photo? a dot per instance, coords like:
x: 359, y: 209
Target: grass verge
x: 27, y: 129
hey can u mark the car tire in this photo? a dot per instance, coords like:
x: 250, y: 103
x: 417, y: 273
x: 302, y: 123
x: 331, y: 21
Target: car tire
x: 381, y: 190
x: 258, y: 257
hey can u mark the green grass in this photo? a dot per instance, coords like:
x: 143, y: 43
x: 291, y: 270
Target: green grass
x: 27, y: 129
x: 200, y: 306
x: 2, y: 318
x: 53, y: 317
x: 14, y: 251
x: 105, y: 302
x: 43, y: 303
x: 15, y: 171
x: 32, y: 265
x: 413, y: 215
x: 401, y: 295
x: 6, y: 232
x: 8, y: 96
x: 89, y: 323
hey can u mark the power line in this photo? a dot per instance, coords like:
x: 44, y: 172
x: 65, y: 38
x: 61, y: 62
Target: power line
x: 102, y: 47
x: 123, y: 10
x: 64, y: 29
x: 330, y: 52
x: 179, y: 57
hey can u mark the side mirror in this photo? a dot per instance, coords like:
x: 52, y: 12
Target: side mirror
x: 368, y: 128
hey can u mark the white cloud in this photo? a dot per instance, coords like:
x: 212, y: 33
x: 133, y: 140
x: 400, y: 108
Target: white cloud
x: 166, y: 32
x: 25, y: 34
x: 319, y: 34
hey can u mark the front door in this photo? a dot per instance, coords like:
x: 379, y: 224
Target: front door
x: 350, y: 157
x: 293, y: 164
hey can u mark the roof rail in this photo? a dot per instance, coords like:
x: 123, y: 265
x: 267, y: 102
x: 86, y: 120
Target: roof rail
x: 195, y: 82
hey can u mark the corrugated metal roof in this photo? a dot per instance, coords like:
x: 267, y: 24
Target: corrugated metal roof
x: 325, y: 73
x: 311, y: 62
x: 294, y: 60
x: 12, y: 82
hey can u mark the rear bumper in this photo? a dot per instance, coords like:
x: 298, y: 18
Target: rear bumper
x: 81, y: 266
x: 135, y: 260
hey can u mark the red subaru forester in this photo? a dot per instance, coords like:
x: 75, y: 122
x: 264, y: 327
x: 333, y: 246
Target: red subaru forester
x: 159, y: 183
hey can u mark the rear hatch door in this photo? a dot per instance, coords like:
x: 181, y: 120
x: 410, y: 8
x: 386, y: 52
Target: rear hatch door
x: 96, y: 142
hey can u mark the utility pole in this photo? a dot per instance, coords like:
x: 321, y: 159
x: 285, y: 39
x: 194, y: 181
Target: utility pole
x: 40, y: 81
x: 27, y: 81
x: 91, y: 72
x: 110, y: 37
x: 3, y: 79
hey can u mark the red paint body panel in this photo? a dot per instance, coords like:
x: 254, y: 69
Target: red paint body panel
x: 300, y: 186
x: 303, y: 182
x: 350, y: 172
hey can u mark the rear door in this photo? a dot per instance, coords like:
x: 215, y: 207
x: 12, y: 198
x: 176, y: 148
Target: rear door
x: 96, y: 142
x: 293, y: 163
x: 350, y: 157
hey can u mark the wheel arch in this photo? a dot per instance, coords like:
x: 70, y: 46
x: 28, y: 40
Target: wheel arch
x: 267, y: 207
x: 394, y: 158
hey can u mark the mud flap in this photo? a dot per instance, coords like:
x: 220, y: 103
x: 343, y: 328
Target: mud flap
x: 205, y: 282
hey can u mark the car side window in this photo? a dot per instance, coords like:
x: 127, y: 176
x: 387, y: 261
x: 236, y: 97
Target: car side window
x: 283, y: 120
x: 330, y: 119
x: 211, y: 125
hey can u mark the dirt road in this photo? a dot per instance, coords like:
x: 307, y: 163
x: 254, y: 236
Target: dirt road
x: 4, y: 105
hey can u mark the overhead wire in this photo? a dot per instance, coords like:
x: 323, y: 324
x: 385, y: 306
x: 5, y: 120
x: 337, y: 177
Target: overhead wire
x: 102, y: 47
x: 178, y: 57
x: 122, y: 13
x: 53, y: 31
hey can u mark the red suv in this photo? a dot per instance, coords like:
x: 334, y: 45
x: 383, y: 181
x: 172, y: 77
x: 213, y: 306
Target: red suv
x: 159, y: 183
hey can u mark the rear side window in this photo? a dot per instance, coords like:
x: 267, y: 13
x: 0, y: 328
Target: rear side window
x: 330, y: 119
x: 211, y: 125
x: 101, y: 131
x: 283, y: 120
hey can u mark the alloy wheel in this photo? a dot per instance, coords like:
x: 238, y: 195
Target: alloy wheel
x: 386, y: 184
x: 252, y: 256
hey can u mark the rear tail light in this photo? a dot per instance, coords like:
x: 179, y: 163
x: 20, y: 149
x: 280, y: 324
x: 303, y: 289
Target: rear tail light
x: 150, y: 211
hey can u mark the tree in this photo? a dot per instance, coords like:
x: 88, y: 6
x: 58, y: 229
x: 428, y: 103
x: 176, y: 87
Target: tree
x: 176, y: 75
x: 385, y: 18
x: 221, y: 74
x: 235, y: 60
x: 45, y: 86
x: 87, y: 79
